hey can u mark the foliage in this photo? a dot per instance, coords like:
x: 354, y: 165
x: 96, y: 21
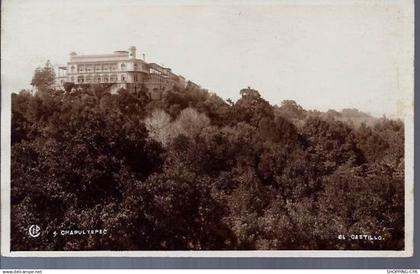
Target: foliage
x: 190, y: 171
x: 43, y: 77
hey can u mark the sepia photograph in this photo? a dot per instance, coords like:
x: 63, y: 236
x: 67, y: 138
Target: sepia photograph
x: 207, y: 128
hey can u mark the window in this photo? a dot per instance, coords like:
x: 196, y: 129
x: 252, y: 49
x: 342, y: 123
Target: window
x: 135, y: 78
x: 72, y: 68
x: 72, y: 79
x: 122, y: 78
x: 135, y: 66
x: 105, y: 79
x: 123, y: 66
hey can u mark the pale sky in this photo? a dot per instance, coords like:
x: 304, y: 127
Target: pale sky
x: 322, y: 54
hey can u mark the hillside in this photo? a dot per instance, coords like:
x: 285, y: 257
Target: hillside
x: 191, y: 171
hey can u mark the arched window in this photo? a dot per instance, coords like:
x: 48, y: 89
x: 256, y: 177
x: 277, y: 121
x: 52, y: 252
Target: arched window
x: 123, y: 66
x: 122, y: 78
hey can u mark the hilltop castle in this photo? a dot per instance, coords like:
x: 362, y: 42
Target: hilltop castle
x: 120, y: 69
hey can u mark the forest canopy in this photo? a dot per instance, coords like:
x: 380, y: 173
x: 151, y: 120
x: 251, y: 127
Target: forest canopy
x: 192, y: 171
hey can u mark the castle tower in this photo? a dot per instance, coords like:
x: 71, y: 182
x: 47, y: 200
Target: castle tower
x: 132, y: 52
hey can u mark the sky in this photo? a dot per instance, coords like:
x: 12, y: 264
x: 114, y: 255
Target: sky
x: 322, y: 54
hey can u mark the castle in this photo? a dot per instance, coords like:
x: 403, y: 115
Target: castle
x: 120, y: 69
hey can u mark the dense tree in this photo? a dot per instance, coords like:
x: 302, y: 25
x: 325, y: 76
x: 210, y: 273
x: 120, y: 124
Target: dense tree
x: 43, y: 77
x: 291, y: 110
x: 159, y: 126
x: 191, y: 171
x: 189, y: 123
x: 251, y: 108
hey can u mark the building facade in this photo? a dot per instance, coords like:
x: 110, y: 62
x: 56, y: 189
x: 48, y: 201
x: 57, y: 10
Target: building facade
x: 121, y: 69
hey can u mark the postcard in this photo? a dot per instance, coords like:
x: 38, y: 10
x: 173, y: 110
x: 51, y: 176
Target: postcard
x: 207, y: 128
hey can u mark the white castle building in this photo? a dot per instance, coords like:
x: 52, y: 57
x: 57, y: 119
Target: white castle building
x: 120, y: 69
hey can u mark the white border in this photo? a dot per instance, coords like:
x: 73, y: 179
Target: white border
x: 409, y: 200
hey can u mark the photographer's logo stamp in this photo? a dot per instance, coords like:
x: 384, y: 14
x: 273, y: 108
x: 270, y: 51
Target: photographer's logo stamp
x: 34, y: 231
